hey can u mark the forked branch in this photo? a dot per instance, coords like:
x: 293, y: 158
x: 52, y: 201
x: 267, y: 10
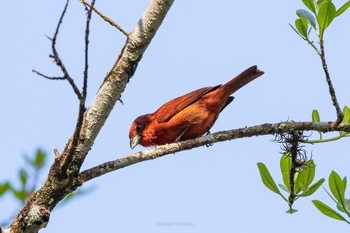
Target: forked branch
x: 36, y: 213
x: 69, y: 155
x: 55, y: 56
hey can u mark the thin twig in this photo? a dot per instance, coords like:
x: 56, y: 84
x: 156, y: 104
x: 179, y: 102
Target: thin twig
x: 57, y: 186
x: 86, y: 68
x: 71, y: 81
x: 159, y: 151
x: 48, y: 77
x: 105, y: 18
x: 57, y: 58
x: 70, y: 156
x: 339, y: 112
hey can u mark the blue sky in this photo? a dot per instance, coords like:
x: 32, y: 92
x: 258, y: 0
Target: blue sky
x: 208, y: 189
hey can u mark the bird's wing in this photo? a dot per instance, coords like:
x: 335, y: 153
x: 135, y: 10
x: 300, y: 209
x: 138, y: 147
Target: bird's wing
x: 171, y: 108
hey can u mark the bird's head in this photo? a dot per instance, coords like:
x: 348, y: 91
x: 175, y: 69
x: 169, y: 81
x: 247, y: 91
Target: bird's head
x: 136, y: 130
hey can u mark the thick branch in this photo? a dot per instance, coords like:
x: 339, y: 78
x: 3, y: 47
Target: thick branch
x: 159, y: 151
x: 36, y: 212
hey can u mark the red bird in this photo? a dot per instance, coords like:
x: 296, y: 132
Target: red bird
x: 188, y: 116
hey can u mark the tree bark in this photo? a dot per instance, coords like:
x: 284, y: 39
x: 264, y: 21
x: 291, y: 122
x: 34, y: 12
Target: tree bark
x: 36, y: 213
x: 159, y: 151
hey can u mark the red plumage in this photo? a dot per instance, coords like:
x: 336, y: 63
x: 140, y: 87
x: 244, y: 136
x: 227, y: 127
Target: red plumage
x: 188, y: 116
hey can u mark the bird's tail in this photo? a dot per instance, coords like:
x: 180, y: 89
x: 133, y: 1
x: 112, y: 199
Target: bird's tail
x: 242, y: 79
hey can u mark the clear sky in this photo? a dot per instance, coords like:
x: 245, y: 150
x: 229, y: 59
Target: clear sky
x: 201, y: 43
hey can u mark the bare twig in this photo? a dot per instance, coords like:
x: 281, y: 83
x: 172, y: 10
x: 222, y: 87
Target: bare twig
x: 86, y: 69
x: 70, y: 155
x: 339, y: 112
x: 55, y: 56
x: 159, y: 151
x: 36, y: 212
x: 105, y: 18
x: 48, y: 77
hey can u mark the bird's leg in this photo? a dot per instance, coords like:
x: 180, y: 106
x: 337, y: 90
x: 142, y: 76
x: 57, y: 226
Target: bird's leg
x: 207, y: 133
x: 181, y: 134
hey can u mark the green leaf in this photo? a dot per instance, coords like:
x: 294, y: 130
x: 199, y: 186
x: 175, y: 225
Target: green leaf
x: 346, y: 112
x: 328, y: 211
x: 326, y: 14
x: 298, y: 185
x: 336, y: 185
x: 284, y: 188
x: 346, y: 202
x: 310, y: 165
x: 19, y: 194
x: 291, y: 211
x: 296, y: 31
x: 4, y: 187
x: 267, y: 178
x: 40, y: 159
x: 308, y: 16
x: 23, y: 176
x: 342, y: 8
x: 302, y: 25
x: 285, y: 165
x: 310, y: 4
x: 344, y: 134
x: 330, y: 195
x: 305, y: 177
x: 319, y: 3
x: 313, y: 188
x: 315, y: 116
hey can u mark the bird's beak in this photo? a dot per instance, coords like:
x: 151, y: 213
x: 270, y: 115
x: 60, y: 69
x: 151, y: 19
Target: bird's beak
x: 135, y: 141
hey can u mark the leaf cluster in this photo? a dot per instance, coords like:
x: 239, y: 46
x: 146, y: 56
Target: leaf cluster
x: 320, y: 15
x: 27, y: 177
x: 337, y: 185
x: 302, y: 179
x: 315, y: 116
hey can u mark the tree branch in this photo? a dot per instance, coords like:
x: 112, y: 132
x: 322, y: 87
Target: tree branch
x: 86, y: 69
x: 48, y: 77
x: 57, y: 58
x: 159, y: 151
x: 105, y: 18
x: 75, y: 138
x: 339, y: 112
x: 35, y: 214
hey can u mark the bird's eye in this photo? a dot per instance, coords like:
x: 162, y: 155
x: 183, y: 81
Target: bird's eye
x: 139, y: 128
